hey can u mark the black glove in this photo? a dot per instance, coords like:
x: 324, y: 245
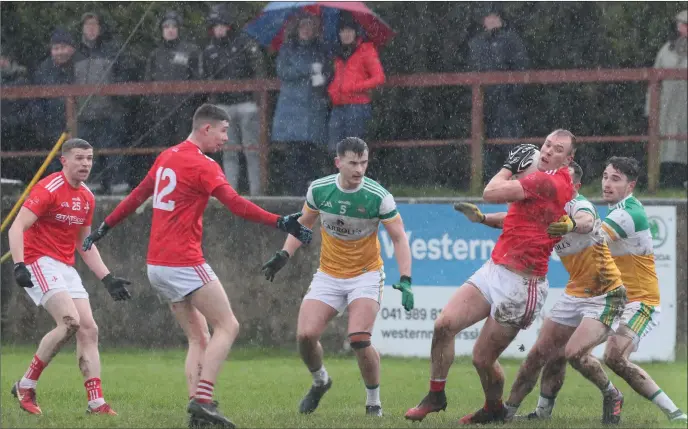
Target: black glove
x: 22, y: 275
x: 520, y: 158
x: 95, y: 236
x: 291, y: 225
x: 275, y: 264
x: 115, y: 286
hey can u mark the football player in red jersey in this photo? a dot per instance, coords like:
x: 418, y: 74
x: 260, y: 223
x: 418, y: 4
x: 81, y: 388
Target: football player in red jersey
x: 43, y: 237
x: 510, y: 288
x: 181, y: 181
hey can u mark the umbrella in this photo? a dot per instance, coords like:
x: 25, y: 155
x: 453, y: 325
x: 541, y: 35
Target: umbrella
x: 268, y: 28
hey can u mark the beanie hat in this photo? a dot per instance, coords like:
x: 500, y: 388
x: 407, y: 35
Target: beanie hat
x: 62, y: 36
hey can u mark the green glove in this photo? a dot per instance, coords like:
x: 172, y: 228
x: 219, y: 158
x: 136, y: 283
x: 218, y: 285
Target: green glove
x: 404, y: 286
x: 471, y: 211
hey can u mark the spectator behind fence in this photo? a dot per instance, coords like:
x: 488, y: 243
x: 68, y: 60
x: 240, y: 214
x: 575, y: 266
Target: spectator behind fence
x: 57, y: 69
x: 231, y: 55
x: 173, y: 59
x: 673, y: 119
x: 101, y: 121
x: 300, y: 119
x: 17, y: 117
x: 498, y: 48
x: 357, y: 71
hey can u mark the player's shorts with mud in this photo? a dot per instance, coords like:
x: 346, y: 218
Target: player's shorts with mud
x: 339, y: 293
x: 50, y: 276
x: 176, y: 283
x: 570, y: 310
x: 514, y: 300
x: 641, y: 318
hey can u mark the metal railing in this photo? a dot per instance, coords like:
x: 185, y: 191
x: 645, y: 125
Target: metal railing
x: 477, y: 82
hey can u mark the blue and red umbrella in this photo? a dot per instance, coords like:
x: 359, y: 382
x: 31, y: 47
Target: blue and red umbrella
x: 268, y: 29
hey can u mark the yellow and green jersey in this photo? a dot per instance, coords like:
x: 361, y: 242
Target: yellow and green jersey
x: 586, y: 257
x: 627, y: 231
x: 349, y: 222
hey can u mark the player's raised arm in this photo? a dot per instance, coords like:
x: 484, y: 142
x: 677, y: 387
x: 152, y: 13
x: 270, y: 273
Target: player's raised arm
x: 501, y: 189
x: 280, y: 259
x: 133, y: 201
x: 21, y: 223
x: 115, y: 285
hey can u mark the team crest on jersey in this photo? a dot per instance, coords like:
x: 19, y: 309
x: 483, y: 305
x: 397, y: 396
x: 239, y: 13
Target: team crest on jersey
x: 361, y: 209
x: 87, y: 207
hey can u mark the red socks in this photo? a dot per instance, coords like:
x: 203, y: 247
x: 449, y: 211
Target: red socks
x: 437, y: 385
x: 31, y: 376
x: 204, y: 391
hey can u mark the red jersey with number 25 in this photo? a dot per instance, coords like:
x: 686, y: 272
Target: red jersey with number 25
x: 524, y: 244
x: 184, y: 180
x: 62, y: 211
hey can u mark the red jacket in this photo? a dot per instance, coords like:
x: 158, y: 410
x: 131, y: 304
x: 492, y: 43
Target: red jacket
x: 356, y: 77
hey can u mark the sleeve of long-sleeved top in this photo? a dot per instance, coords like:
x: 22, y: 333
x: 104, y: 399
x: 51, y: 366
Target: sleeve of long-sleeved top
x: 137, y: 197
x: 243, y: 207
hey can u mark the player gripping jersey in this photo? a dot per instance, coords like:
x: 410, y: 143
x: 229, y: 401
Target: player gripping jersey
x: 592, y: 302
x: 510, y: 288
x: 351, y: 208
x: 181, y: 182
x: 58, y: 213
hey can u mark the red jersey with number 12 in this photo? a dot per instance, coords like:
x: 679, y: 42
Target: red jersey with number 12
x: 184, y: 180
x: 62, y: 211
x: 524, y: 244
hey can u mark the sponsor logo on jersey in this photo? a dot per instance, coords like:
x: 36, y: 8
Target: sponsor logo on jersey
x: 327, y: 204
x: 340, y: 229
x: 64, y: 204
x: 69, y: 219
x: 347, y: 203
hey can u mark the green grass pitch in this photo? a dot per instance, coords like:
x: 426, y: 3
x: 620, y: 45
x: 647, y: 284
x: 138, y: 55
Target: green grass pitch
x: 262, y: 388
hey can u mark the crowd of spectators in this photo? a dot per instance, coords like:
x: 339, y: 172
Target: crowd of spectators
x: 326, y: 94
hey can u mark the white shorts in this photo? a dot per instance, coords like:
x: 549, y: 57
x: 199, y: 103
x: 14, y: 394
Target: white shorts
x: 570, y: 310
x: 50, y: 276
x: 641, y: 319
x: 339, y: 293
x: 514, y: 300
x: 176, y: 283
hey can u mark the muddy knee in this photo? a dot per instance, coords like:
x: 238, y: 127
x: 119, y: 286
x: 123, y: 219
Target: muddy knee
x: 71, y: 326
x: 443, y: 328
x: 481, y: 361
x: 615, y: 361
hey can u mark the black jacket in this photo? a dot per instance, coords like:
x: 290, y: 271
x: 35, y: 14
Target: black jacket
x: 172, y: 61
x: 51, y: 111
x: 234, y: 57
x: 498, y: 50
x: 96, y: 65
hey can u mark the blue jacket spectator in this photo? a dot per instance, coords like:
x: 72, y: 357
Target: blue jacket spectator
x: 302, y: 106
x: 304, y: 70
